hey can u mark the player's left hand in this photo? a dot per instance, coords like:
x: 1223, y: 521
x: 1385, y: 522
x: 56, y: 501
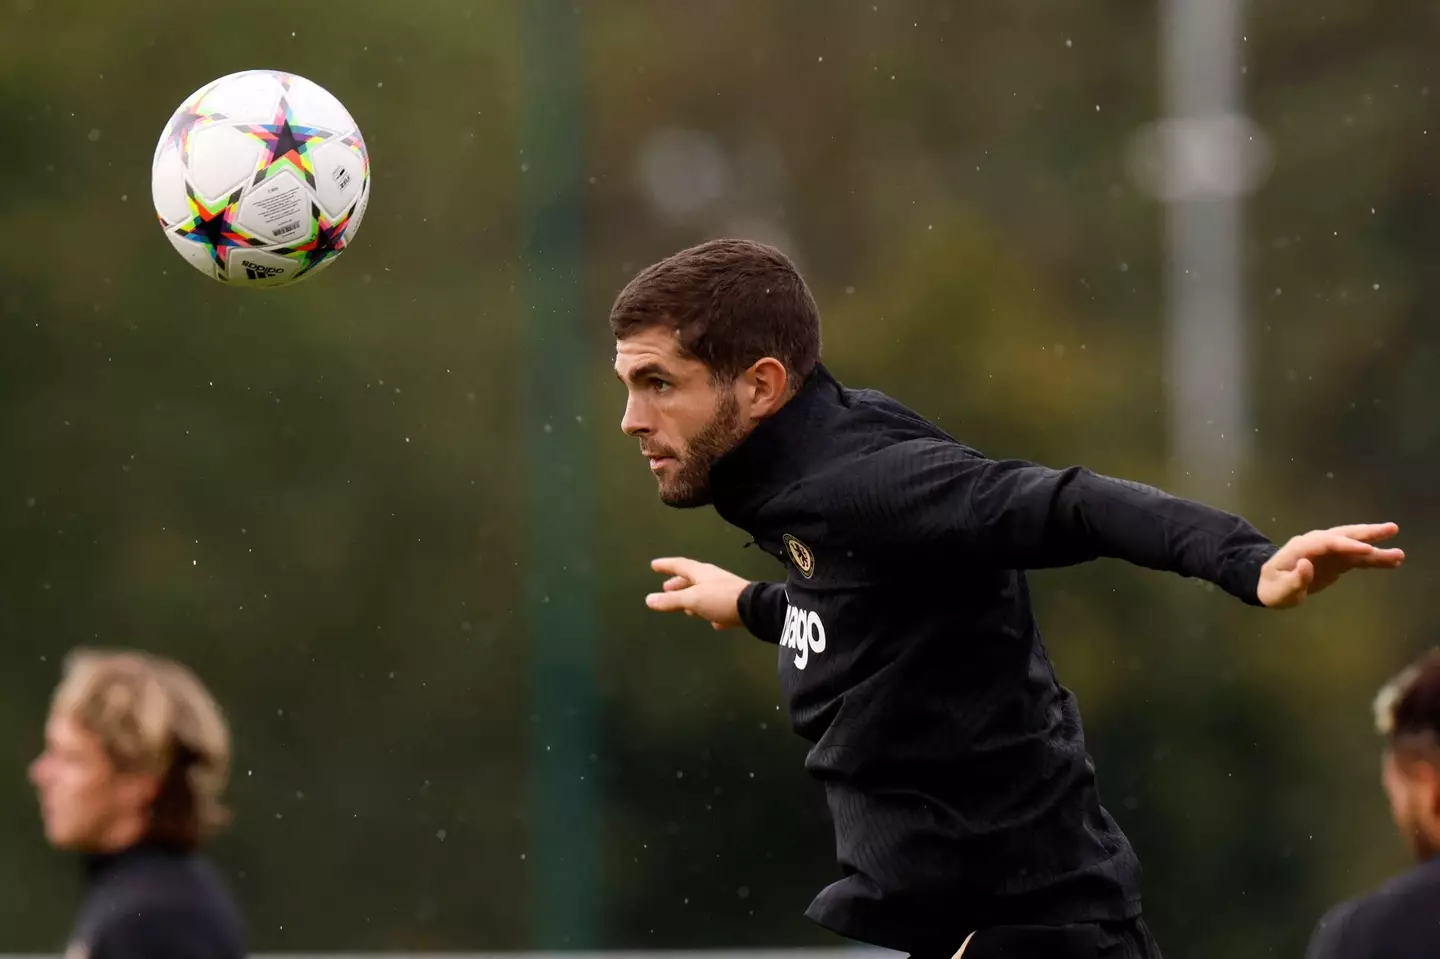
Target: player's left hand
x: 1310, y: 562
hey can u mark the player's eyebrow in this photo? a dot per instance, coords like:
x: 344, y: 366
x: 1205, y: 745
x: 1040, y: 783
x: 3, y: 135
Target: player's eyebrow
x: 650, y: 368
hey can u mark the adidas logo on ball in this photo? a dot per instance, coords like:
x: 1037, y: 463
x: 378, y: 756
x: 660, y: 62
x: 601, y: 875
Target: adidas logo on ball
x: 258, y: 271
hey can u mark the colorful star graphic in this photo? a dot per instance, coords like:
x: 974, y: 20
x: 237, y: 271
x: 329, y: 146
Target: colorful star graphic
x: 184, y: 123
x: 327, y: 240
x: 289, y: 144
x: 356, y: 143
x: 213, y: 225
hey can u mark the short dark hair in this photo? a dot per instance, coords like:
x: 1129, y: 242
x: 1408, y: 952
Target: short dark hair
x: 732, y: 302
x: 1408, y: 707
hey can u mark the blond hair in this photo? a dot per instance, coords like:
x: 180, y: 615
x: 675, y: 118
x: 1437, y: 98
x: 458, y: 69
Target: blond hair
x: 1407, y: 708
x: 154, y: 716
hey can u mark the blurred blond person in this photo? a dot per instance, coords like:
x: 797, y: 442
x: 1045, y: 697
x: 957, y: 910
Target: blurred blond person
x: 136, y: 758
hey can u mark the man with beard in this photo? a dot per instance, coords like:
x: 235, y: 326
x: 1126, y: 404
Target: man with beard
x: 1401, y: 920
x: 965, y: 806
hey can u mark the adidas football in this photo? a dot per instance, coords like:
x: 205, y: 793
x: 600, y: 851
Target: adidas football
x: 260, y: 179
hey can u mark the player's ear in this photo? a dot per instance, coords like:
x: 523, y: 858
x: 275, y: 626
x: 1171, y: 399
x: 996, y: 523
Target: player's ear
x: 767, y: 384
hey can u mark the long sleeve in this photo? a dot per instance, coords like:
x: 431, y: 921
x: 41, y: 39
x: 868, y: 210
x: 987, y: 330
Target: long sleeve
x: 950, y: 501
x: 762, y: 610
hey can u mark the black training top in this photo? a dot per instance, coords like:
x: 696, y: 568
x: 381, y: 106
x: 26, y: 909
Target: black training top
x: 1400, y: 920
x: 953, y: 760
x: 156, y: 902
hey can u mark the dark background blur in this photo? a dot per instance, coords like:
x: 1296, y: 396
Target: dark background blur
x: 389, y: 516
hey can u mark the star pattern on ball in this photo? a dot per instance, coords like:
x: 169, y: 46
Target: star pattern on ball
x: 355, y: 142
x: 288, y: 144
x: 184, y: 123
x: 327, y: 240
x: 214, y: 226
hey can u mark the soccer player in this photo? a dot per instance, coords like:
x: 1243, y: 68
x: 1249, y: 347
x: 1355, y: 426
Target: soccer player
x: 1401, y: 920
x: 136, y: 756
x: 964, y: 802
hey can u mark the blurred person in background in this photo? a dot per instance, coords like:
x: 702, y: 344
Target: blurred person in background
x: 1400, y: 920
x: 136, y: 757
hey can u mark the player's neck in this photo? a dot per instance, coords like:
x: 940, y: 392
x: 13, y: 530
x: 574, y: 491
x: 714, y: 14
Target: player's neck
x: 777, y: 448
x: 124, y: 833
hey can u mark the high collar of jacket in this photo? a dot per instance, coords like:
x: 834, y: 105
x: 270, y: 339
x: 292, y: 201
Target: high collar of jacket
x: 778, y: 451
x: 97, y: 865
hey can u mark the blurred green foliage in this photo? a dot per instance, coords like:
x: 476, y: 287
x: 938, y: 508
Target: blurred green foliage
x: 320, y: 497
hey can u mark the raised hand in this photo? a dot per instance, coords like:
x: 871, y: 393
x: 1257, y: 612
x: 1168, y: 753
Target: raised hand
x: 1311, y: 562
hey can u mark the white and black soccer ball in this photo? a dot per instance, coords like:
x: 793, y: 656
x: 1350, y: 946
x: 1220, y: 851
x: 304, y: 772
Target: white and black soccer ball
x: 260, y: 178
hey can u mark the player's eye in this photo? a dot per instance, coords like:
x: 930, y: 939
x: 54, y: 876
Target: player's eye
x: 659, y: 385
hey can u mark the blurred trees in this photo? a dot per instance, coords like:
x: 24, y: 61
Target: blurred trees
x: 318, y: 496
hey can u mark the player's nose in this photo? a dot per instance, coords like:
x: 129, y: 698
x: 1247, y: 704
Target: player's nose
x: 634, y: 422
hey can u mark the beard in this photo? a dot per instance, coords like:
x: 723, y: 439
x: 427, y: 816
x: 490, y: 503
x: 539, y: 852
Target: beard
x: 689, y: 486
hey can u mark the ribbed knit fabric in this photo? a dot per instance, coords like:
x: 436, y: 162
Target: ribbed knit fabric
x: 954, y: 762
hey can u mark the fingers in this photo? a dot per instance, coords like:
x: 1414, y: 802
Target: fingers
x: 1335, y: 543
x: 677, y: 582
x: 1378, y: 558
x: 1357, y: 552
x: 676, y: 566
x: 672, y: 602
x: 1283, y: 588
x: 1367, y: 532
x: 1304, y: 575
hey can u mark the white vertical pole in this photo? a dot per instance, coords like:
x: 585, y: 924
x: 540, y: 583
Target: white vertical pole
x: 1206, y: 153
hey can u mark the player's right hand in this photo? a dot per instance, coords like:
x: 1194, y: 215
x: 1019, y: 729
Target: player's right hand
x: 698, y: 589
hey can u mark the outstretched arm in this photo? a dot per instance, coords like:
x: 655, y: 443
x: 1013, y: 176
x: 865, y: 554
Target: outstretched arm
x: 937, y: 496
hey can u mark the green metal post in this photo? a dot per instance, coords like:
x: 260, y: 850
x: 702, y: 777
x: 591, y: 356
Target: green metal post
x: 565, y: 818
